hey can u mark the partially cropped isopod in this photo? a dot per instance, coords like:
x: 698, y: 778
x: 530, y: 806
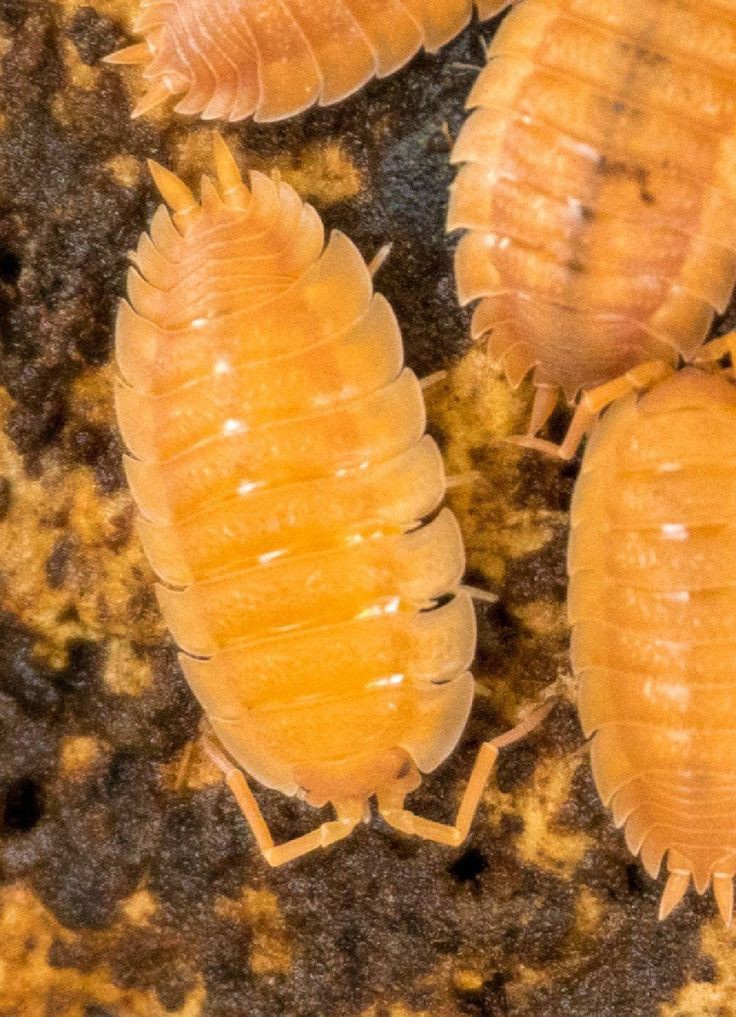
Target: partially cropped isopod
x: 290, y: 505
x: 598, y: 188
x: 271, y: 59
x: 652, y: 598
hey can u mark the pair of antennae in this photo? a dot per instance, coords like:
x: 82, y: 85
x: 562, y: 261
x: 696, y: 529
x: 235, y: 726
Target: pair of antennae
x: 180, y: 198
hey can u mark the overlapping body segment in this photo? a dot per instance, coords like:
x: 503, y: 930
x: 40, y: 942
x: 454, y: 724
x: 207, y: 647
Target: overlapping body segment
x: 279, y: 462
x: 652, y: 565
x: 597, y: 186
x: 291, y: 505
x: 271, y: 59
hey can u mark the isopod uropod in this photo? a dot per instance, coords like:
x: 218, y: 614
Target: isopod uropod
x: 271, y: 59
x: 597, y: 188
x: 290, y: 506
x: 652, y: 564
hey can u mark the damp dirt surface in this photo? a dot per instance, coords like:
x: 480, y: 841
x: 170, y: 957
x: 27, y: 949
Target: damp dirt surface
x: 122, y: 894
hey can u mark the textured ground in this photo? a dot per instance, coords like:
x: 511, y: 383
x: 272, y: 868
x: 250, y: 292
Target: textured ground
x: 120, y: 897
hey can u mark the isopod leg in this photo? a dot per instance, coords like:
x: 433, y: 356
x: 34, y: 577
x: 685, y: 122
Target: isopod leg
x: 235, y: 780
x: 723, y: 893
x: 591, y: 405
x: 329, y: 833
x: 391, y: 804
x: 462, y: 479
x: 545, y: 400
x: 348, y: 816
x: 378, y: 259
x: 433, y: 379
x: 182, y: 774
x: 483, y: 596
x: 582, y: 421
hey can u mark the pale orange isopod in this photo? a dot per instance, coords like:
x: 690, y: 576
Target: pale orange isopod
x: 598, y: 188
x: 652, y: 565
x: 271, y: 59
x: 289, y: 503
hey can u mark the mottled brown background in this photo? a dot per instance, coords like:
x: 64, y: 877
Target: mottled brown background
x: 120, y: 897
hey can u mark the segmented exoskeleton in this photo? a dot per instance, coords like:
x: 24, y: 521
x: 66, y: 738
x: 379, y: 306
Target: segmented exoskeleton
x: 599, y: 194
x: 271, y: 59
x: 652, y: 564
x: 290, y: 504
x: 598, y: 188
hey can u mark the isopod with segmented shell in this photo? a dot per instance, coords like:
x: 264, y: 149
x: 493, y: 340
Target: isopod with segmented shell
x: 271, y: 59
x: 597, y: 188
x: 290, y: 505
x: 598, y: 195
x: 652, y: 565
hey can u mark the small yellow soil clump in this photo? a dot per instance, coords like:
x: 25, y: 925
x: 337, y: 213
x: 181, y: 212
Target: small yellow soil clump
x: 34, y: 987
x: 78, y: 755
x: 271, y: 951
x: 124, y: 169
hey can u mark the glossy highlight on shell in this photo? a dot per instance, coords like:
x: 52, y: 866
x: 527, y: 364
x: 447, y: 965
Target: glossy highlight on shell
x: 290, y: 503
x: 652, y: 565
x: 272, y: 59
x: 597, y: 189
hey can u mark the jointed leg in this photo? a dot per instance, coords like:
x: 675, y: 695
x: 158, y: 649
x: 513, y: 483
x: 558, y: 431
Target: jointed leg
x: 483, y: 596
x: 235, y: 780
x: 185, y: 763
x: 348, y: 816
x: 391, y: 804
x: 545, y: 400
x: 723, y: 893
x: 378, y: 259
x: 593, y: 402
x: 189, y: 753
x: 432, y: 379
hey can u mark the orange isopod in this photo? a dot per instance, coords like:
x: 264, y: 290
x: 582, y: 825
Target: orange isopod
x: 271, y: 59
x: 652, y: 565
x: 289, y: 503
x: 598, y: 188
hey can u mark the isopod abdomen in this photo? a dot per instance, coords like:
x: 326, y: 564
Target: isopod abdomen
x: 271, y: 59
x: 290, y: 504
x: 597, y: 188
x: 652, y: 564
